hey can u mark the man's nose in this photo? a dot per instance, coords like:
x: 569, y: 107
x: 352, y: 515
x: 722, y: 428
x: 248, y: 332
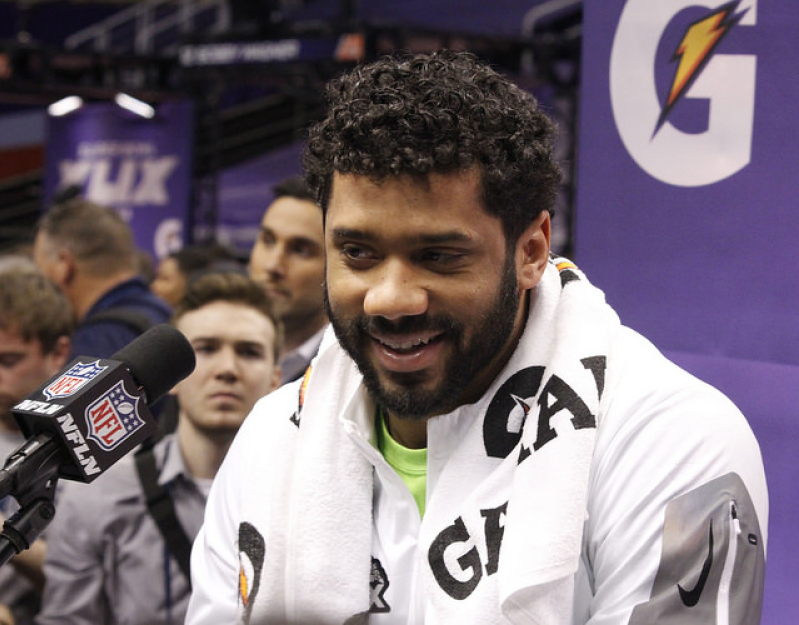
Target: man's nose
x: 396, y: 292
x: 226, y: 363
x: 274, y: 260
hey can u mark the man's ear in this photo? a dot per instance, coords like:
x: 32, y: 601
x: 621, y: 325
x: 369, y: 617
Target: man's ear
x: 64, y: 269
x: 532, y: 251
x: 61, y: 352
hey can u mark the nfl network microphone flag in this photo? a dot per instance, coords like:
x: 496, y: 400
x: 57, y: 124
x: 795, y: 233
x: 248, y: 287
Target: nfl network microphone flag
x: 96, y: 408
x: 95, y: 411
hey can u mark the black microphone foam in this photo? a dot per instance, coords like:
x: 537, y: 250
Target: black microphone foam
x: 157, y: 360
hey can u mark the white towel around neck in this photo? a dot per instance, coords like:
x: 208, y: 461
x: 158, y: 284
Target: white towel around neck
x: 327, y: 511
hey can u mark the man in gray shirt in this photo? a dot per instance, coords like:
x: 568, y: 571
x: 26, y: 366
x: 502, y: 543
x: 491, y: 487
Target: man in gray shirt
x: 108, y: 561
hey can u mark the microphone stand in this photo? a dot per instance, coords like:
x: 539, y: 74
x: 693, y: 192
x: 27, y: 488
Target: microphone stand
x: 30, y: 475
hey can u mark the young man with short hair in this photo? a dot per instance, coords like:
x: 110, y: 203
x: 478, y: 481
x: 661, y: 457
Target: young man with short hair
x: 114, y: 559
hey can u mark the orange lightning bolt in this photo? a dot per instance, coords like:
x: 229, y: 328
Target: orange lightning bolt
x: 695, y: 49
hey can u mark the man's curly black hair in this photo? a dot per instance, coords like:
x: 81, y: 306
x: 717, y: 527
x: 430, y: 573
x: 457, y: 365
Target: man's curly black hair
x: 440, y: 113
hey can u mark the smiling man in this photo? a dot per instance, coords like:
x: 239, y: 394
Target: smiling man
x: 115, y: 555
x: 479, y: 439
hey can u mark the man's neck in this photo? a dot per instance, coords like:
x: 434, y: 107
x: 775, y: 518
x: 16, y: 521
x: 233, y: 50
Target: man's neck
x: 297, y: 331
x: 84, y: 292
x: 410, y: 433
x: 202, y: 454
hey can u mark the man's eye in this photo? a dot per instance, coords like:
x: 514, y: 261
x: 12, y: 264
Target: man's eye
x: 250, y: 352
x: 358, y: 257
x: 440, y: 257
x: 304, y: 250
x: 7, y: 362
x: 354, y: 252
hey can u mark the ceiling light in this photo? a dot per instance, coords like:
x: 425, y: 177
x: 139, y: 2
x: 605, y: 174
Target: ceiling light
x: 65, y: 105
x: 134, y: 105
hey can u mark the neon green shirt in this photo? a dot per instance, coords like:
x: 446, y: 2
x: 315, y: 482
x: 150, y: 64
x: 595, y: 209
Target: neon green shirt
x: 410, y: 464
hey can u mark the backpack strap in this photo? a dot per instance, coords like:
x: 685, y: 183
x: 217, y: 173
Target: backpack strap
x: 135, y: 320
x: 162, y: 509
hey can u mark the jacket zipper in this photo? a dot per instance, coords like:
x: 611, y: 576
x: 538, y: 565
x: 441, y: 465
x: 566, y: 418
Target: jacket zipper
x: 723, y: 600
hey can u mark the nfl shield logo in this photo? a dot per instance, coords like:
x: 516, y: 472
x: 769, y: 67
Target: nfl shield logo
x: 73, y: 380
x: 113, y: 417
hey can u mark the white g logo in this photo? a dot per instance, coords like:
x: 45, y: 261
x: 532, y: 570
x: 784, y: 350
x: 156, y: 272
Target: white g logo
x: 168, y: 237
x: 728, y: 81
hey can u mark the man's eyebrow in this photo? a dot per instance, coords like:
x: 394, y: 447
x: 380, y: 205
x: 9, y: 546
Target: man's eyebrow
x: 439, y: 238
x: 305, y: 241
x: 206, y: 339
x: 295, y: 238
x: 250, y: 344
x: 433, y: 238
x: 340, y: 234
x: 212, y: 338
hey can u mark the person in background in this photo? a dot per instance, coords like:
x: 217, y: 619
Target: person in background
x: 88, y: 251
x: 111, y: 557
x: 175, y: 274
x: 479, y: 439
x: 175, y: 270
x: 288, y: 258
x: 36, y: 323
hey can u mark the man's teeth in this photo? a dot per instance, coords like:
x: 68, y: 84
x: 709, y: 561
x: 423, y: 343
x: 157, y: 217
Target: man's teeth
x: 410, y: 345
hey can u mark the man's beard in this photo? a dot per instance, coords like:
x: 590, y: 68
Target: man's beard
x: 408, y: 400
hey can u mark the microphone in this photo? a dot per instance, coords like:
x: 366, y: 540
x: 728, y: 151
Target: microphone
x: 93, y: 412
x: 82, y: 421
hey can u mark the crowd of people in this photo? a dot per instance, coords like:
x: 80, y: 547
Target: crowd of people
x: 405, y: 408
x: 80, y: 291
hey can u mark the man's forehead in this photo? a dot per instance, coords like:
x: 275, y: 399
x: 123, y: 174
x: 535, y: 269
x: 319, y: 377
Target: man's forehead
x: 206, y: 319
x: 288, y: 209
x: 293, y: 218
x: 436, y: 205
x: 471, y: 175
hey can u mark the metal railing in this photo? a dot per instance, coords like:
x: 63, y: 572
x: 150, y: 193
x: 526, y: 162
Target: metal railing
x: 138, y: 28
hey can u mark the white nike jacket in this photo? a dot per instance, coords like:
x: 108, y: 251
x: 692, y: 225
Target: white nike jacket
x: 672, y: 524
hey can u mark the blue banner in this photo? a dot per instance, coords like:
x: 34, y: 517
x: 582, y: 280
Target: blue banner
x: 245, y: 191
x: 142, y: 167
x: 686, y: 211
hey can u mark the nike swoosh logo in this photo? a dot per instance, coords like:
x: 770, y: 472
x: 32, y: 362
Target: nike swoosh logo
x: 691, y: 597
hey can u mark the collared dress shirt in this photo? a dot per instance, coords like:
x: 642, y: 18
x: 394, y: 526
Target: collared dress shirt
x: 294, y: 364
x: 107, y: 561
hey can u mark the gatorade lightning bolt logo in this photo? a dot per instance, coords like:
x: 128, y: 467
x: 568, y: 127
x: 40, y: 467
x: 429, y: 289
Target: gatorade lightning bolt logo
x: 695, y: 50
